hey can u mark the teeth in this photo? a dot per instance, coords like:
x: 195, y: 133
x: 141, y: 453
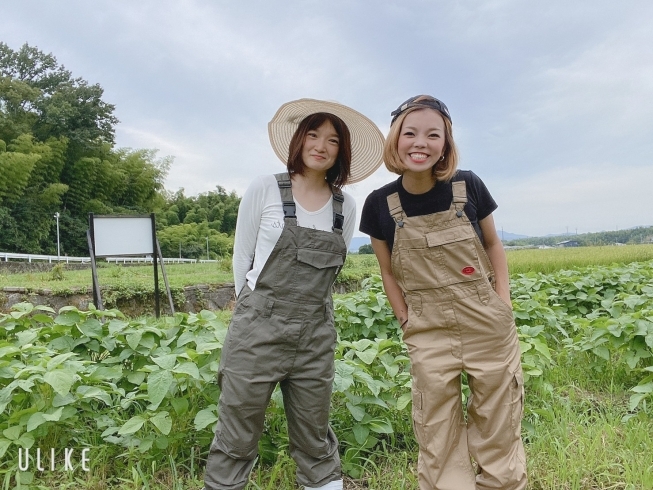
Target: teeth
x: 419, y: 156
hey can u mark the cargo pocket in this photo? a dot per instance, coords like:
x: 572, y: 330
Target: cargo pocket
x: 315, y: 270
x: 459, y: 254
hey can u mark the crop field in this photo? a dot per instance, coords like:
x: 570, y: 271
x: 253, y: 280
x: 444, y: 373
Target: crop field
x: 140, y: 395
x: 357, y: 267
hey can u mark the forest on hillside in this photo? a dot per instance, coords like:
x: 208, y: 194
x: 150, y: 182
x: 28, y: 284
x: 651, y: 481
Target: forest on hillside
x: 58, y: 154
x: 630, y: 236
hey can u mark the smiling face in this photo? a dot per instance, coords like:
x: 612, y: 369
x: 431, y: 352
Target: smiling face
x: 320, y: 149
x: 421, y: 140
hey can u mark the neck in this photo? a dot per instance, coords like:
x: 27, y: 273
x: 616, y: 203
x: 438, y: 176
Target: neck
x: 310, y: 181
x: 418, y: 182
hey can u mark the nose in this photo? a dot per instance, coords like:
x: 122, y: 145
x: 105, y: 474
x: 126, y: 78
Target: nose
x: 320, y: 144
x: 419, y: 142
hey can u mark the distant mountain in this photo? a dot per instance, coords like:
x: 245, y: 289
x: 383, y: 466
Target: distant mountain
x: 506, y: 236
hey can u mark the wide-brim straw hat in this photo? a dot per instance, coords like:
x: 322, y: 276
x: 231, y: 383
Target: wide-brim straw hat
x: 366, y: 138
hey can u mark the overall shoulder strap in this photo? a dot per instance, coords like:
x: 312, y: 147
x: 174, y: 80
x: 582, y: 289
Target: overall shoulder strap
x: 396, y: 211
x: 459, y: 196
x: 287, y: 201
x: 338, y: 216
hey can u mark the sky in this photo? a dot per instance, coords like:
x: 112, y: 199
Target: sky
x: 552, y: 102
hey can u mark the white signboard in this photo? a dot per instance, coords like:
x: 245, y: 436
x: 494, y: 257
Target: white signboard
x: 122, y: 235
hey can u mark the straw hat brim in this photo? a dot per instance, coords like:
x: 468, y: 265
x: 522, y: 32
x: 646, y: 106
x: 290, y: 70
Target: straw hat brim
x: 366, y: 138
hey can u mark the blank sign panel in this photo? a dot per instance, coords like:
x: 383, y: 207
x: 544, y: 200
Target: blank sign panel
x: 122, y: 236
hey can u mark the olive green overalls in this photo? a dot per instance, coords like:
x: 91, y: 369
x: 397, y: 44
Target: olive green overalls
x: 457, y: 322
x: 282, y: 332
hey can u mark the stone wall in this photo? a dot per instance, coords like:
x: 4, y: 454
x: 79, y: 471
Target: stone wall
x: 17, y: 267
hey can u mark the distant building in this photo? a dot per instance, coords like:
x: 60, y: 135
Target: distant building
x: 568, y: 243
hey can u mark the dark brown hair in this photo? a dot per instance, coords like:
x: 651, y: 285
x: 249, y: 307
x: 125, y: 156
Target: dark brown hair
x: 338, y: 175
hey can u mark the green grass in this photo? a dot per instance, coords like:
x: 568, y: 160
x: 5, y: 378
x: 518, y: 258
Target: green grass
x: 554, y: 259
x: 116, y: 276
x: 357, y: 267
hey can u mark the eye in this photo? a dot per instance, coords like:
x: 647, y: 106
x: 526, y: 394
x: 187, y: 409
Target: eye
x: 434, y: 135
x: 409, y: 133
x: 334, y: 141
x: 311, y: 134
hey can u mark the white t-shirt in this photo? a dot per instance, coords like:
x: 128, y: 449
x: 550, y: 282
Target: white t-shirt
x: 260, y: 222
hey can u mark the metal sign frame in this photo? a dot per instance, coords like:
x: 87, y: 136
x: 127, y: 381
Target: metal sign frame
x: 124, y: 235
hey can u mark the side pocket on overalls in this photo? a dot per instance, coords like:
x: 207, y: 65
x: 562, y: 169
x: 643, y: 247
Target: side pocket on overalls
x: 418, y: 415
x: 517, y: 403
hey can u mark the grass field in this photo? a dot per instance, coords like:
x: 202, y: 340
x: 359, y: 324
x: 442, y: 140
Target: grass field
x: 356, y: 268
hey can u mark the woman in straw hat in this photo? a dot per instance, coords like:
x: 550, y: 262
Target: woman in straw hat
x: 445, y: 274
x: 292, y: 234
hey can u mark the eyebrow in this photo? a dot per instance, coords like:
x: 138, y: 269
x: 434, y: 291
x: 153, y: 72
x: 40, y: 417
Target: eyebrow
x: 430, y: 129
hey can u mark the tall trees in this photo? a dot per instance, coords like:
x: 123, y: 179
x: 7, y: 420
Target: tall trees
x: 57, y: 154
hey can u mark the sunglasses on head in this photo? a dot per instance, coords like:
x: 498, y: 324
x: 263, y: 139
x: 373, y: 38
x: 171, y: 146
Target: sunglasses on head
x: 431, y: 103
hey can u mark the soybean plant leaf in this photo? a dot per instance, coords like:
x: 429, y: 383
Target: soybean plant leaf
x: 4, y: 445
x: 42, y: 318
x: 206, y: 315
x: 635, y: 400
x: 162, y: 422
x: 133, y: 339
x: 53, y: 415
x: 12, y: 433
x: 8, y: 351
x: 188, y: 368
x: 94, y: 392
x: 381, y: 426
x: 35, y: 420
x: 205, y: 417
x: 403, y: 401
x: 344, y: 376
x: 166, y: 362
x: 146, y: 445
x: 132, y: 425
x: 158, y: 384
x: 60, y: 380
x: 186, y: 337
x: 136, y: 378
x: 367, y: 356
x: 69, y: 318
x: 180, y: 405
x: 56, y: 360
x: 602, y: 351
x: 360, y: 433
x: 26, y: 337
x: 644, y: 388
x: 92, y: 328
x: 116, y: 326
x: 25, y: 441
x: 60, y: 401
x: 356, y: 411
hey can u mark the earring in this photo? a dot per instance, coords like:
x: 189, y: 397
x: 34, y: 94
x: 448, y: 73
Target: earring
x: 441, y: 158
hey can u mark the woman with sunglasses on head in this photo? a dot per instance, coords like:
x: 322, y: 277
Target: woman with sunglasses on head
x: 445, y: 273
x: 292, y: 234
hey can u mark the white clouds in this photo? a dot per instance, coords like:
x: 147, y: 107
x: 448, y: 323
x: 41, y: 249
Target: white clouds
x: 543, y: 96
x: 587, y: 198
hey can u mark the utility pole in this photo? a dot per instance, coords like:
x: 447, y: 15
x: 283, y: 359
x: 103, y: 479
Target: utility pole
x: 56, y: 215
x: 207, y: 249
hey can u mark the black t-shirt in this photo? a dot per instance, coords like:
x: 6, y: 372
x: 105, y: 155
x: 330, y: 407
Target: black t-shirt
x: 377, y: 222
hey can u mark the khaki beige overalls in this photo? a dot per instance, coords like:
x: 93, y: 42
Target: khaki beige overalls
x: 457, y: 322
x: 282, y: 332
